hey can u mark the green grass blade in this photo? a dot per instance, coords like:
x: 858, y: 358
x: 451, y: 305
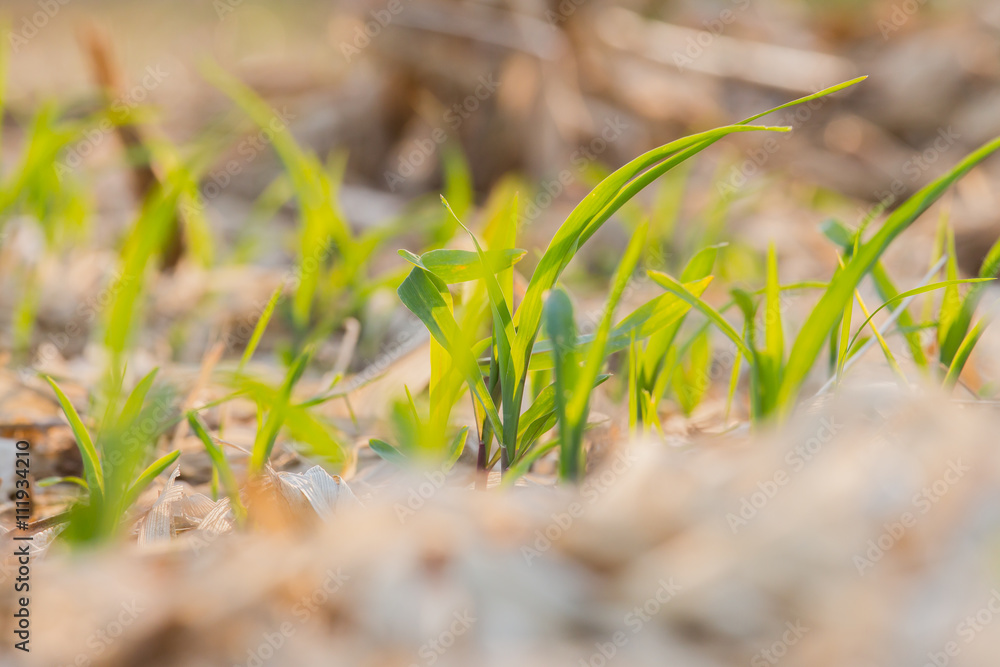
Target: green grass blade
x: 91, y: 462
x: 267, y: 434
x: 634, y: 387
x: 572, y: 415
x: 389, y: 453
x: 590, y: 214
x: 68, y: 479
x: 964, y: 351
x: 651, y: 317
x: 685, y: 153
x: 456, y: 448
x: 422, y: 293
x: 458, y: 266
x: 734, y: 377
x: 561, y: 329
x: 674, y: 287
x: 503, y: 338
x: 148, y: 475
x: 951, y: 303
x: 526, y: 460
x: 654, y: 315
x: 845, y: 330
x: 881, y: 341
x: 701, y: 264
x: 772, y: 358
x: 316, y: 434
x: 825, y: 314
x: 691, y: 379
x: 989, y: 269
x: 219, y: 462
x: 597, y: 352
x: 808, y: 98
x: 133, y: 405
x: 748, y: 306
x: 540, y: 416
x: 651, y: 359
x: 773, y: 336
x: 322, y: 220
x: 259, y: 327
x: 914, y: 292
x: 145, y: 239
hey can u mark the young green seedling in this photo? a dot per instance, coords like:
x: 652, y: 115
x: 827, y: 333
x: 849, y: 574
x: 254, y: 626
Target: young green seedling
x: 513, y: 344
x: 111, y: 461
x: 574, y: 382
x: 776, y: 384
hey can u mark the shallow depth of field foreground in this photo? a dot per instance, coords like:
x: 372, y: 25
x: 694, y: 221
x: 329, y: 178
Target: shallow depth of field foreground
x: 465, y: 333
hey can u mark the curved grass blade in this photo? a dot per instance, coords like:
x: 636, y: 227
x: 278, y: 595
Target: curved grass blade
x: 591, y: 213
x: 91, y: 463
x: 267, y: 434
x: 68, y: 479
x: 650, y: 360
x: 389, y: 453
x: 808, y: 98
x: 526, y: 460
x: 893, y: 364
x: 456, y: 448
x: 219, y: 462
x: 965, y: 351
x: 541, y: 416
x: 148, y: 475
x: 990, y: 268
x: 673, y: 286
x: 827, y: 311
x: 258, y: 329
x: 691, y: 380
x: 844, y: 237
x: 423, y: 294
x: 316, y: 434
x: 459, y: 266
x: 133, y: 405
x: 683, y: 154
x: 913, y: 292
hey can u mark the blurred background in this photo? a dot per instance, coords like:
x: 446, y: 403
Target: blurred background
x: 528, y: 86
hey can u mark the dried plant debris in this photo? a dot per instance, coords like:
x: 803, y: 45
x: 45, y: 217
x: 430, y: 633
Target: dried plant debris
x: 743, y: 552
